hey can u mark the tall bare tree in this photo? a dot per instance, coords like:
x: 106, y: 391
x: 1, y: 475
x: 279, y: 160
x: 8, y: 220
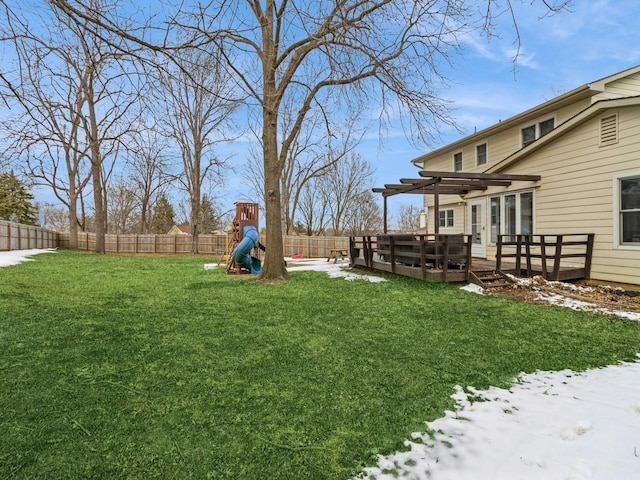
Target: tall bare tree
x: 365, y: 216
x: 149, y: 170
x: 408, y: 218
x: 74, y: 95
x: 195, y: 99
x: 331, y: 53
x: 344, y: 184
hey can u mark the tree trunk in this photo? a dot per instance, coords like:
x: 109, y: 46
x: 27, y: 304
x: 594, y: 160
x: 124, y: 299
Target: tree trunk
x: 274, y: 268
x: 99, y: 217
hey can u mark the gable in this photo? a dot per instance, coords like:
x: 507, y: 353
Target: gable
x: 607, y: 133
x: 505, y: 138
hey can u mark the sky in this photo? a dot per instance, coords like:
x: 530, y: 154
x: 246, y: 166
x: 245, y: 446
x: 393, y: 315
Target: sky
x: 561, y: 425
x: 593, y: 39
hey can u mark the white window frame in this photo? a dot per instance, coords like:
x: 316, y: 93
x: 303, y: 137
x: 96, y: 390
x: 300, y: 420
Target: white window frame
x: 486, y: 154
x: 448, y: 216
x: 617, y: 214
x: 455, y: 169
x: 537, y: 134
x: 503, y: 216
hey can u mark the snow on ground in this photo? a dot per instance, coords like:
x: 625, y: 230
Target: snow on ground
x: 547, y: 426
x: 562, y: 300
x: 340, y: 269
x: 15, y: 257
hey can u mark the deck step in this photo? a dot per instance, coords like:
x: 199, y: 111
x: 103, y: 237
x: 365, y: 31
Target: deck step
x: 491, y: 279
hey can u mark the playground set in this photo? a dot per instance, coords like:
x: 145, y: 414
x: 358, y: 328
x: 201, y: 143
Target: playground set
x: 244, y: 241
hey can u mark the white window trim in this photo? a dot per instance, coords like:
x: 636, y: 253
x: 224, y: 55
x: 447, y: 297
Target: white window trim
x: 486, y: 144
x: 616, y: 210
x: 453, y: 157
x: 446, y: 212
x: 537, y: 125
x: 517, y: 193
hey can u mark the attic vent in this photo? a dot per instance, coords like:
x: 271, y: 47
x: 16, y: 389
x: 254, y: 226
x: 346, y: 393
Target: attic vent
x: 609, y: 130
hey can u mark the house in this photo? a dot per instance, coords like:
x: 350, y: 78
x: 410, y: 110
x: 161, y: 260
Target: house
x: 183, y: 229
x: 569, y: 165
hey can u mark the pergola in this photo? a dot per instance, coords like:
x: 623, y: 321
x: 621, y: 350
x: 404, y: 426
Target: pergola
x: 448, y: 183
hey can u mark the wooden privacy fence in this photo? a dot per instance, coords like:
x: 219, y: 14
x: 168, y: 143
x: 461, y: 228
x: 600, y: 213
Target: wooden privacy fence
x: 15, y: 236
x: 216, y: 245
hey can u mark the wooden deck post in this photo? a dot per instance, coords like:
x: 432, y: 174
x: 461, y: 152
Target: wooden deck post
x: 499, y: 253
x: 556, y: 262
x: 518, y: 254
x: 392, y: 253
x: 589, y: 252
x: 543, y: 255
x: 423, y: 260
x: 527, y: 247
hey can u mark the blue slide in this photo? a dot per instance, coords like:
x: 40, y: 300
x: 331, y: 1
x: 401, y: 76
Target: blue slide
x: 242, y: 253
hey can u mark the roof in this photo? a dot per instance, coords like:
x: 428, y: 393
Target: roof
x: 588, y: 113
x: 585, y: 91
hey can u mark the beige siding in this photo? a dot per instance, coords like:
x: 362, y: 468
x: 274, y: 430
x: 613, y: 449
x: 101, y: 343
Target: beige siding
x: 624, y: 87
x: 500, y: 145
x: 576, y: 193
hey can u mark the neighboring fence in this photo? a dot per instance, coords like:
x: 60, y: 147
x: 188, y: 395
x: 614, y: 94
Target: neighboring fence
x: 15, y: 236
x: 216, y: 245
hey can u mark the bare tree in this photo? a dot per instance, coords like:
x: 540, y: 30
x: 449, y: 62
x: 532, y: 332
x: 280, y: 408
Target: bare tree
x: 194, y: 103
x: 408, y: 218
x: 315, y: 149
x: 356, y: 52
x: 123, y: 208
x: 365, y: 216
x: 149, y: 171
x: 54, y: 218
x: 313, y: 208
x: 344, y: 184
x: 74, y: 95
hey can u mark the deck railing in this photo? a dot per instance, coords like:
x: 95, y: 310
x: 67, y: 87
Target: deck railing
x: 537, y: 251
x: 429, y: 252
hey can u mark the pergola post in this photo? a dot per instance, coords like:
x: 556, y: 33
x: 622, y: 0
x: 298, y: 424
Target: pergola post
x: 385, y: 214
x: 436, y: 207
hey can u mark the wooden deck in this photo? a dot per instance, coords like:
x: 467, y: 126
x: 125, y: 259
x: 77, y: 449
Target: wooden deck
x: 447, y: 258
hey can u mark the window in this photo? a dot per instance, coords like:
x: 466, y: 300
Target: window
x: 528, y: 135
x: 457, y: 162
x: 545, y: 127
x: 481, y: 154
x: 446, y: 218
x: 630, y: 211
x: 532, y: 132
x: 511, y: 213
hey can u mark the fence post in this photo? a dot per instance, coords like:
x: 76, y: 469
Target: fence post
x: 499, y: 253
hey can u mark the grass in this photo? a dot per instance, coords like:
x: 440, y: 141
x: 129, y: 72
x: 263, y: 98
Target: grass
x: 152, y: 367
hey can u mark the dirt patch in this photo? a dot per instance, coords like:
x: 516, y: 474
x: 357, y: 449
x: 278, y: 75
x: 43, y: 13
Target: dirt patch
x: 539, y: 290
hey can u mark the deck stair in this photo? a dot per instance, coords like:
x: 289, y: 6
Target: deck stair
x: 489, y: 279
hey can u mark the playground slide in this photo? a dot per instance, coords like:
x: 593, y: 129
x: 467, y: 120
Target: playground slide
x: 242, y: 253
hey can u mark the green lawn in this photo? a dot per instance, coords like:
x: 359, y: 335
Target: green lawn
x: 152, y: 367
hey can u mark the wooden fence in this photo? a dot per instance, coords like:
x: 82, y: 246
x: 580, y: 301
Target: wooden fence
x: 216, y: 245
x: 15, y: 236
